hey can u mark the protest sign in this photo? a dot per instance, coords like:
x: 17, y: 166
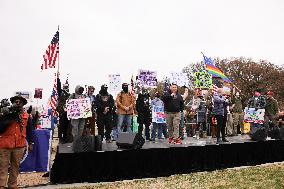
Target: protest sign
x: 255, y: 116
x: 114, y: 82
x: 147, y: 79
x: 24, y: 94
x: 179, y: 78
x: 38, y: 93
x: 203, y: 80
x: 79, y: 108
x: 158, y: 114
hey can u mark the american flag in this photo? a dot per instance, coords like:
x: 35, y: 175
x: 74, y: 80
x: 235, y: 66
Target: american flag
x: 54, y: 97
x: 132, y: 86
x: 51, y: 53
x: 215, y: 88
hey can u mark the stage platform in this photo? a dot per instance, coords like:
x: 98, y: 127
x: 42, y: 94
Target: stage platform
x: 161, y: 159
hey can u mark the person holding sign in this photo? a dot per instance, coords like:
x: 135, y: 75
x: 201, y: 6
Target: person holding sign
x: 125, y: 108
x: 174, y: 104
x: 77, y: 124
x: 104, y: 104
x: 159, y: 121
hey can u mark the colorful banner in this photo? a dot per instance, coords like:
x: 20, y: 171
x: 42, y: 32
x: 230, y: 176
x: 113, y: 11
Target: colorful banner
x: 254, y: 116
x: 38, y: 159
x: 114, y: 82
x: 79, y: 108
x: 38, y: 93
x: 158, y: 114
x: 147, y: 78
x: 179, y: 78
x: 203, y: 80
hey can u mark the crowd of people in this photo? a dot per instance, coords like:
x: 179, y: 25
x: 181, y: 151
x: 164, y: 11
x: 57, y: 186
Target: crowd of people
x: 205, y: 114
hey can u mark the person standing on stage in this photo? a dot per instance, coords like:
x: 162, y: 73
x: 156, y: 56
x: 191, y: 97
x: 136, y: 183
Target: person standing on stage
x: 14, y: 131
x: 125, y: 108
x: 258, y: 101
x: 77, y: 124
x: 91, y: 121
x: 144, y: 113
x: 64, y: 125
x: 238, y: 113
x: 218, y: 110
x: 105, y: 108
x: 271, y: 109
x: 174, y: 104
x: 161, y: 127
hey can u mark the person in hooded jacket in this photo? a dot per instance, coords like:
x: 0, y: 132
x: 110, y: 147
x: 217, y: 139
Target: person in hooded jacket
x: 105, y: 106
x: 125, y: 102
x: 77, y: 124
x: 144, y: 113
x: 64, y: 125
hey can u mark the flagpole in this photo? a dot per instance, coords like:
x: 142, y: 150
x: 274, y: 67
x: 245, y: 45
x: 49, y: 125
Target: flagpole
x: 58, y: 55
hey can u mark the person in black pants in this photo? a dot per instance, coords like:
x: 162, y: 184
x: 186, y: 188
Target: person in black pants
x: 105, y: 105
x: 144, y: 113
x: 218, y: 111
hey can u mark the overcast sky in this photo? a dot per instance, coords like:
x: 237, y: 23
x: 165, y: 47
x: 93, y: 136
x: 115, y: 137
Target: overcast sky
x: 98, y: 38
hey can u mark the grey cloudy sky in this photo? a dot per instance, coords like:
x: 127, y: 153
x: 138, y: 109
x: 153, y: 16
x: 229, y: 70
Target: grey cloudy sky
x: 98, y: 38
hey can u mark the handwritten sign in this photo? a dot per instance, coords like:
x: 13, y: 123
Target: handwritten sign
x: 158, y: 114
x: 254, y: 116
x: 179, y: 78
x: 147, y: 79
x: 114, y: 82
x: 79, y: 108
x: 203, y: 80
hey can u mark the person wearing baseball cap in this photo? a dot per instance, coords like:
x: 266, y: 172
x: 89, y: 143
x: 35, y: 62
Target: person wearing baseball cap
x: 271, y: 108
x: 13, y: 141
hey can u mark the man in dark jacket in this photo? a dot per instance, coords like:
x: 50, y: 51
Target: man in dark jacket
x: 144, y: 113
x: 104, y: 105
x: 64, y: 129
x: 271, y: 108
x: 174, y: 104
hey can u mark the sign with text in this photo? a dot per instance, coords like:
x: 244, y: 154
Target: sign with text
x: 114, y: 82
x: 203, y: 80
x: 179, y: 78
x: 254, y: 116
x: 79, y: 108
x: 158, y: 114
x: 147, y: 78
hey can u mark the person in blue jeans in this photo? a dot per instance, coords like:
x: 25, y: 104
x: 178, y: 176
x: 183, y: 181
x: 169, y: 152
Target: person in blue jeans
x: 125, y: 102
x: 158, y: 125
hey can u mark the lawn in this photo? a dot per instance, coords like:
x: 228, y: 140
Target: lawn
x: 265, y: 176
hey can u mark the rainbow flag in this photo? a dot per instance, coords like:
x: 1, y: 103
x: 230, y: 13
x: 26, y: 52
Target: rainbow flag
x: 213, y: 70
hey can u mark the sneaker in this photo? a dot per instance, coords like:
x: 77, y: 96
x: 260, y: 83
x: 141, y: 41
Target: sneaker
x: 178, y: 141
x: 225, y: 140
x: 218, y: 140
x: 171, y: 140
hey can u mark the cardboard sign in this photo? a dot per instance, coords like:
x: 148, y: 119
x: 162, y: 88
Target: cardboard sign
x: 147, y: 78
x: 254, y: 116
x: 179, y: 78
x: 38, y: 93
x: 203, y: 80
x: 79, y: 108
x: 114, y: 82
x: 158, y: 114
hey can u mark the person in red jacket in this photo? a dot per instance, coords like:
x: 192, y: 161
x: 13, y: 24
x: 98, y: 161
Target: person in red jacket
x: 13, y: 140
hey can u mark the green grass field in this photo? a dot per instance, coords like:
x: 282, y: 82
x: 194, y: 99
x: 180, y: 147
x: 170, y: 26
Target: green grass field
x: 266, y: 177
